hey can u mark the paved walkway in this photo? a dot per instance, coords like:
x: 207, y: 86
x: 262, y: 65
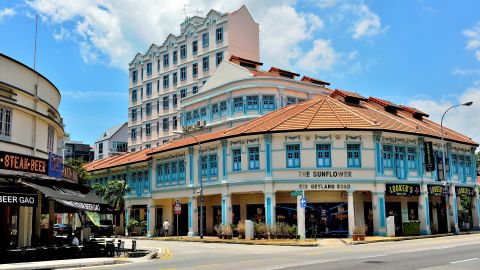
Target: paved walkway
x: 73, y: 263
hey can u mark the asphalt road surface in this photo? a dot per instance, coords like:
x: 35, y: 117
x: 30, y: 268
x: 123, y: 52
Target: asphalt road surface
x: 454, y: 252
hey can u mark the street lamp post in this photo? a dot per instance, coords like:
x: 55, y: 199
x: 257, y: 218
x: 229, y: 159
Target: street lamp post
x: 443, y: 154
x: 199, y: 178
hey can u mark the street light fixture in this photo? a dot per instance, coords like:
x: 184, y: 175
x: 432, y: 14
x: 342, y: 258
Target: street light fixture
x: 199, y: 178
x: 444, y: 149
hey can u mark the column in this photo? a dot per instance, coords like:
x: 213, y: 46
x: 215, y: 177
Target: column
x: 260, y: 104
x: 268, y: 155
x: 453, y: 217
x: 424, y: 211
x: 244, y: 105
x: 226, y: 209
x: 224, y: 160
x: 38, y: 216
x: 476, y: 211
x: 379, y: 221
x: 190, y: 165
x: 473, y: 165
x: 127, y: 215
x: 300, y: 219
x: 192, y: 216
x: 150, y: 220
x: 270, y: 208
x: 378, y: 153
x: 229, y: 106
x: 351, y: 213
x: 51, y: 219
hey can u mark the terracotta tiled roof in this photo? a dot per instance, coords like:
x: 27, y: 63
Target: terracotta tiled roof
x: 280, y: 71
x: 119, y: 160
x: 344, y: 93
x: 383, y: 102
x: 234, y: 57
x: 323, y: 113
x: 261, y: 73
x: 413, y: 110
x: 313, y: 80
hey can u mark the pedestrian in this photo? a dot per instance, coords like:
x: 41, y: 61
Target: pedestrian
x: 166, y: 226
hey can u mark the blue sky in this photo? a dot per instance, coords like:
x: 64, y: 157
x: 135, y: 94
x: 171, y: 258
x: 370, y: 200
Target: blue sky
x: 420, y: 53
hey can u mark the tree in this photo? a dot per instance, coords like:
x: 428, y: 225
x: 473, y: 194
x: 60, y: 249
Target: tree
x: 78, y: 165
x: 113, y: 193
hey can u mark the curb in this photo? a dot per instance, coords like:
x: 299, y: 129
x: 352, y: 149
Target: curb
x: 407, y: 238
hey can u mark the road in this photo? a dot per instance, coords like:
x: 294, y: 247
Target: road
x: 454, y: 252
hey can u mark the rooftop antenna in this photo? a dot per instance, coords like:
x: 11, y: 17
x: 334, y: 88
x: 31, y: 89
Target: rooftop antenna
x: 186, y: 10
x: 35, y: 48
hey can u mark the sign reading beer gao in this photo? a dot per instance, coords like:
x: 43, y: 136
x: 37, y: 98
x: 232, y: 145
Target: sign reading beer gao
x: 22, y: 163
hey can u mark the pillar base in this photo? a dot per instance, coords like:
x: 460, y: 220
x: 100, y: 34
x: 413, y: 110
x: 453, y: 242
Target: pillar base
x: 192, y: 234
x: 380, y: 233
x: 425, y: 232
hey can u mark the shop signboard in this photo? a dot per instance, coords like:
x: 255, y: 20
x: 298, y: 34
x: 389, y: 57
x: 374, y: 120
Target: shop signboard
x: 178, y: 209
x: 429, y: 159
x: 403, y: 189
x: 17, y: 195
x: 438, y: 190
x: 55, y: 165
x: 23, y: 163
x: 465, y: 191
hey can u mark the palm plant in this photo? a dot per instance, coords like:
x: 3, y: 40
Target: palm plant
x: 113, y: 193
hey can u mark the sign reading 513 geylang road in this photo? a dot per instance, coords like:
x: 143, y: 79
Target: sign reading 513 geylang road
x: 22, y: 163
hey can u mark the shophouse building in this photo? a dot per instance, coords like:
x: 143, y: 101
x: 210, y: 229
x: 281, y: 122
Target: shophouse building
x: 207, y: 77
x: 32, y: 174
x: 356, y: 160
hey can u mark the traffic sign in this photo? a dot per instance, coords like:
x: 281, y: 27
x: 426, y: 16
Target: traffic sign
x: 303, y: 202
x: 296, y: 193
x: 178, y: 209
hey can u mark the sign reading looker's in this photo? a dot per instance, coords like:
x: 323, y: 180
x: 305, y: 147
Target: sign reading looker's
x: 22, y: 163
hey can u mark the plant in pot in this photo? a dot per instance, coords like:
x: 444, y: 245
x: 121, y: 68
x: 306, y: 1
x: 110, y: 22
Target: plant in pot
x: 241, y: 230
x: 282, y: 230
x: 132, y: 224
x: 227, y: 231
x: 260, y: 230
x: 359, y: 233
x: 292, y: 231
x: 272, y: 231
x: 219, y: 230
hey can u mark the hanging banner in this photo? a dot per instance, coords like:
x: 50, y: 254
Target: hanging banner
x: 94, y: 218
x: 465, y: 192
x: 429, y: 159
x: 55, y: 165
x: 403, y: 189
x: 438, y: 190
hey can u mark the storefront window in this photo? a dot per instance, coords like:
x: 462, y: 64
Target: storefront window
x: 353, y: 155
x: 387, y: 156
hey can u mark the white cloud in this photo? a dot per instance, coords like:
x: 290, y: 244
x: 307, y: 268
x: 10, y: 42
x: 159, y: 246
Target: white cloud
x: 463, y: 119
x: 322, y: 56
x: 93, y: 95
x: 367, y: 24
x: 6, y: 12
x: 112, y: 32
x: 465, y: 72
x: 473, y: 42
x: 326, y: 3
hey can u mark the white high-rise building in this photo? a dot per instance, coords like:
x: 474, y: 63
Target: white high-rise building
x: 179, y: 67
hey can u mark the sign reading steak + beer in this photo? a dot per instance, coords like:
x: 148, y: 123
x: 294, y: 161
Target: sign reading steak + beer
x: 22, y: 163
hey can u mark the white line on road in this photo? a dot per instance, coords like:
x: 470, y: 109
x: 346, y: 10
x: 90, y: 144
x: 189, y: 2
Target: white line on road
x: 467, y: 260
x: 373, y: 256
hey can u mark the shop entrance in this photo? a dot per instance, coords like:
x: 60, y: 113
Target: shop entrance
x: 182, y: 221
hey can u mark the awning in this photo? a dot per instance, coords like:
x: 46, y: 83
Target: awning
x: 70, y: 194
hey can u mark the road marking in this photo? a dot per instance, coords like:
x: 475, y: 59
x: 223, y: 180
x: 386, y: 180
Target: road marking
x: 210, y: 265
x: 247, y: 261
x: 167, y: 254
x: 282, y: 258
x: 373, y: 256
x: 467, y: 260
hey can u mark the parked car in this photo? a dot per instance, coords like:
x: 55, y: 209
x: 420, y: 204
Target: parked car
x: 105, y: 229
x: 62, y: 229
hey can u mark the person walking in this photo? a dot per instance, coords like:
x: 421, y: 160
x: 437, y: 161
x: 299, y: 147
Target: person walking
x: 166, y: 226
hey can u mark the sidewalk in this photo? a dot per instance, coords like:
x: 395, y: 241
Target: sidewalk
x: 59, y: 264
x: 322, y: 242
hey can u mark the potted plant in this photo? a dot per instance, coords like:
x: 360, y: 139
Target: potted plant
x: 227, y: 231
x: 260, y: 230
x: 282, y: 230
x: 219, y: 230
x: 241, y: 230
x: 359, y: 233
x: 292, y: 231
x: 132, y: 224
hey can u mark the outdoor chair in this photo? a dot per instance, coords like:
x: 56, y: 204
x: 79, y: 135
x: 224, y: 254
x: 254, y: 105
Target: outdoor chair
x: 120, y: 248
